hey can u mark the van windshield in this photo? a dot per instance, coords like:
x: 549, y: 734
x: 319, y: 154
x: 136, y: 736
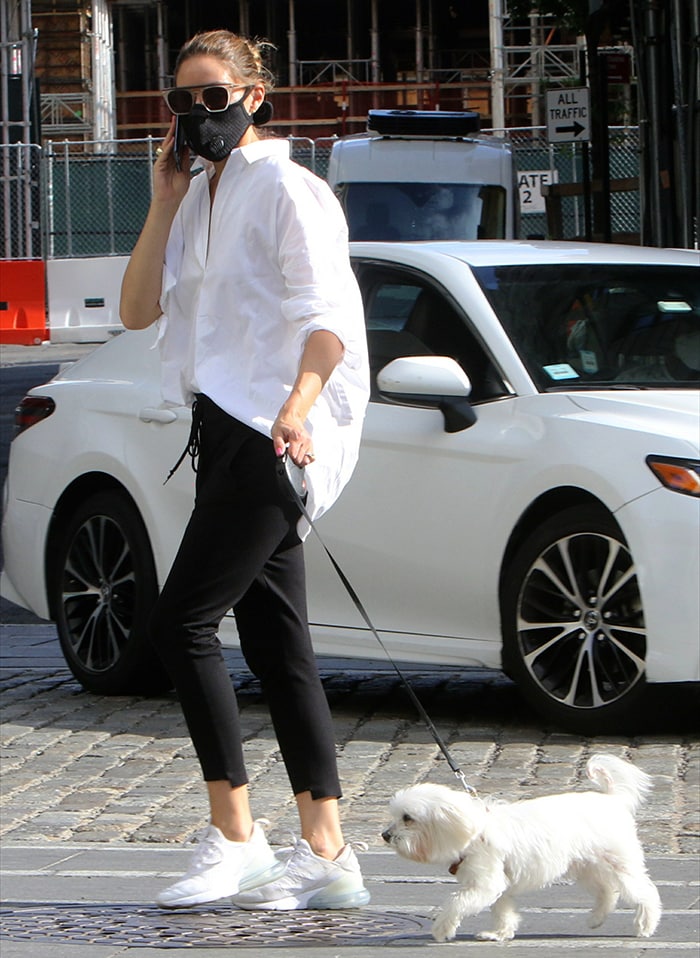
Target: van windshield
x: 424, y: 211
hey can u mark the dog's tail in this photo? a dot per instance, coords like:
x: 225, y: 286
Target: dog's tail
x: 617, y: 777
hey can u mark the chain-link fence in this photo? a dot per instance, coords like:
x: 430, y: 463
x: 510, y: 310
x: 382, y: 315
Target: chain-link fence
x: 68, y: 200
x: 564, y: 164
x: 21, y: 208
x: 96, y: 202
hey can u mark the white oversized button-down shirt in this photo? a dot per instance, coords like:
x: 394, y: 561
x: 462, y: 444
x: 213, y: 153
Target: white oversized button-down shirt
x: 242, y: 291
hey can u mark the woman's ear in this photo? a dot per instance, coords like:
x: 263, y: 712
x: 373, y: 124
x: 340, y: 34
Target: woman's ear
x: 255, y: 98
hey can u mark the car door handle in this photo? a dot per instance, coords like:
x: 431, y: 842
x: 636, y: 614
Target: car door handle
x: 151, y: 414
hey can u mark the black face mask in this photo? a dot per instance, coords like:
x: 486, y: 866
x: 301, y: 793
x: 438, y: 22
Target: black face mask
x: 214, y: 135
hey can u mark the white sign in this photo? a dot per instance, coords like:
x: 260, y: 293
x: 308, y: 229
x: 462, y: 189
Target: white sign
x: 530, y: 183
x: 568, y: 114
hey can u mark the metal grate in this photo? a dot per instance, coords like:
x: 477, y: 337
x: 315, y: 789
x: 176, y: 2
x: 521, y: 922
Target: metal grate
x: 203, y: 927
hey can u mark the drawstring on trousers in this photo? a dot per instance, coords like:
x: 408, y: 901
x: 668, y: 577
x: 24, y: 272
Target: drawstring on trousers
x: 193, y: 441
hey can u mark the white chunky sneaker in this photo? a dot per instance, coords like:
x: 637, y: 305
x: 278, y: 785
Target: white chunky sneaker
x: 309, y: 882
x: 220, y: 868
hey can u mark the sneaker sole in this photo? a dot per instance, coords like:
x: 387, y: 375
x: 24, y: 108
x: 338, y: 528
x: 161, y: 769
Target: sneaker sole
x: 262, y: 877
x: 252, y: 881
x: 318, y: 901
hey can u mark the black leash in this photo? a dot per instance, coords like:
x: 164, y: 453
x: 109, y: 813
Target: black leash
x: 284, y: 464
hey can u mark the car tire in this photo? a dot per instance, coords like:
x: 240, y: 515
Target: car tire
x: 574, y: 638
x: 103, y: 589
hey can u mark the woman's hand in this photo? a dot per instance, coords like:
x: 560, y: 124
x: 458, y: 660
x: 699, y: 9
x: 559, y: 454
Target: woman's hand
x: 169, y: 183
x: 322, y: 353
x: 289, y: 433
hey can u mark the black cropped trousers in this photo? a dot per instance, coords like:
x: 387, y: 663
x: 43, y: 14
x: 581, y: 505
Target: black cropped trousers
x: 241, y: 550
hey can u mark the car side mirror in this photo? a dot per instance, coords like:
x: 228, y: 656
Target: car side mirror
x: 433, y: 382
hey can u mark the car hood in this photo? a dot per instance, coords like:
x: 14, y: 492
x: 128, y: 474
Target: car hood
x: 669, y: 413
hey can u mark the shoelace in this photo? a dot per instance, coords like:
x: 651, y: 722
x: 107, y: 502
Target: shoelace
x: 359, y: 846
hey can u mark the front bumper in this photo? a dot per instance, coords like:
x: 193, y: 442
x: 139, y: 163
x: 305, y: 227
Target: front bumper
x: 663, y: 533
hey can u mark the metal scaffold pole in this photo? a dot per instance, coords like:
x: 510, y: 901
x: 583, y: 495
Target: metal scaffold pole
x: 17, y: 42
x: 18, y: 129
x: 497, y: 64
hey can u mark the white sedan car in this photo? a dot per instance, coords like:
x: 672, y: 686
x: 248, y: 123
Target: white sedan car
x: 527, y: 496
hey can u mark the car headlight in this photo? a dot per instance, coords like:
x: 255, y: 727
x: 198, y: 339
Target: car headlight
x: 680, y: 475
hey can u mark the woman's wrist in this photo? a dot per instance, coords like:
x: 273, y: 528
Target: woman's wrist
x: 296, y: 407
x: 164, y: 207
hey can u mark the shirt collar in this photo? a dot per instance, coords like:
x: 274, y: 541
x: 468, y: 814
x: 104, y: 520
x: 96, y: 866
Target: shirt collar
x: 257, y: 150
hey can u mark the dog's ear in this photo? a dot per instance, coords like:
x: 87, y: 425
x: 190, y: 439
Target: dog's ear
x: 455, y: 821
x: 463, y: 816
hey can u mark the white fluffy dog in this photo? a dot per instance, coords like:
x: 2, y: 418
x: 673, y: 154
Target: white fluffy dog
x: 497, y: 849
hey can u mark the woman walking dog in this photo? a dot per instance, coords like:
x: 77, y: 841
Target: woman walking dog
x: 261, y: 328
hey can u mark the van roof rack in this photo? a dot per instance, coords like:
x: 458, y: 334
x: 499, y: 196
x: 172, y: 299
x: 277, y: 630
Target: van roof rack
x: 423, y: 122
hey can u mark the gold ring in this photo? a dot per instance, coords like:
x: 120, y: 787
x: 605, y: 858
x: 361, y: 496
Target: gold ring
x: 310, y: 456
x: 159, y: 150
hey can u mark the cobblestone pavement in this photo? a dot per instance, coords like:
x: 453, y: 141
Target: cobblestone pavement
x: 84, y: 768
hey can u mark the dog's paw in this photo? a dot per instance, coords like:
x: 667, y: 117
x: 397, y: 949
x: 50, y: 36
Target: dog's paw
x: 646, y: 927
x: 494, y: 935
x: 648, y: 916
x: 443, y: 929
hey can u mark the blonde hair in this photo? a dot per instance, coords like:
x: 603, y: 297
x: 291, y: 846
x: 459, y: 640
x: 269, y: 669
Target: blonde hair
x: 243, y: 57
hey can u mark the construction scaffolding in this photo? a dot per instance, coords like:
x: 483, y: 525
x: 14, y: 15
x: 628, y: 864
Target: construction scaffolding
x: 69, y: 46
x: 17, y: 87
x: 21, y: 199
x: 524, y: 61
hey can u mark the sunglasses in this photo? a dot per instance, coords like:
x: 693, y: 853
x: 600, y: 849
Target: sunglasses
x: 215, y: 98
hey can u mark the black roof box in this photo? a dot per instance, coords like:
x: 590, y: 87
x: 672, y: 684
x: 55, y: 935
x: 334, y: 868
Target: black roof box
x: 423, y: 122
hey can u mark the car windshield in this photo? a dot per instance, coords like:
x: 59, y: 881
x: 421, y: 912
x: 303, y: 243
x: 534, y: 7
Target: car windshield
x: 593, y: 326
x: 424, y: 211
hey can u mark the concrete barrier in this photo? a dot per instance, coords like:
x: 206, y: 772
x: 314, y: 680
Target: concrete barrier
x: 83, y: 298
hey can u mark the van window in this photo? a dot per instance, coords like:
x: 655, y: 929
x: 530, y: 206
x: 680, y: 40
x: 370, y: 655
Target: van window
x: 424, y: 211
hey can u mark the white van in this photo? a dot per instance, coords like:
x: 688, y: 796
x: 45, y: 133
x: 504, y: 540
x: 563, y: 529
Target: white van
x: 418, y: 175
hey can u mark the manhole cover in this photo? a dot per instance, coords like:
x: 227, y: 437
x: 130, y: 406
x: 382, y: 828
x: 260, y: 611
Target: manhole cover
x: 204, y: 927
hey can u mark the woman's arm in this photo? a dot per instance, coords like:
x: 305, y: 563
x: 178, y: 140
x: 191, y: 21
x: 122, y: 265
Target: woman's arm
x: 139, y: 306
x: 322, y: 353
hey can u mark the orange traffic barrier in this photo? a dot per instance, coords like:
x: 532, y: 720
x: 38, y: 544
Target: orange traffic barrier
x: 23, y: 302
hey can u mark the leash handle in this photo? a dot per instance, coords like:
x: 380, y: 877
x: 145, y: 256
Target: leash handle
x: 363, y: 612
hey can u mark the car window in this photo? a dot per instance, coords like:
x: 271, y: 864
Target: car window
x: 407, y: 316
x: 391, y: 305
x: 591, y: 326
x: 424, y: 211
